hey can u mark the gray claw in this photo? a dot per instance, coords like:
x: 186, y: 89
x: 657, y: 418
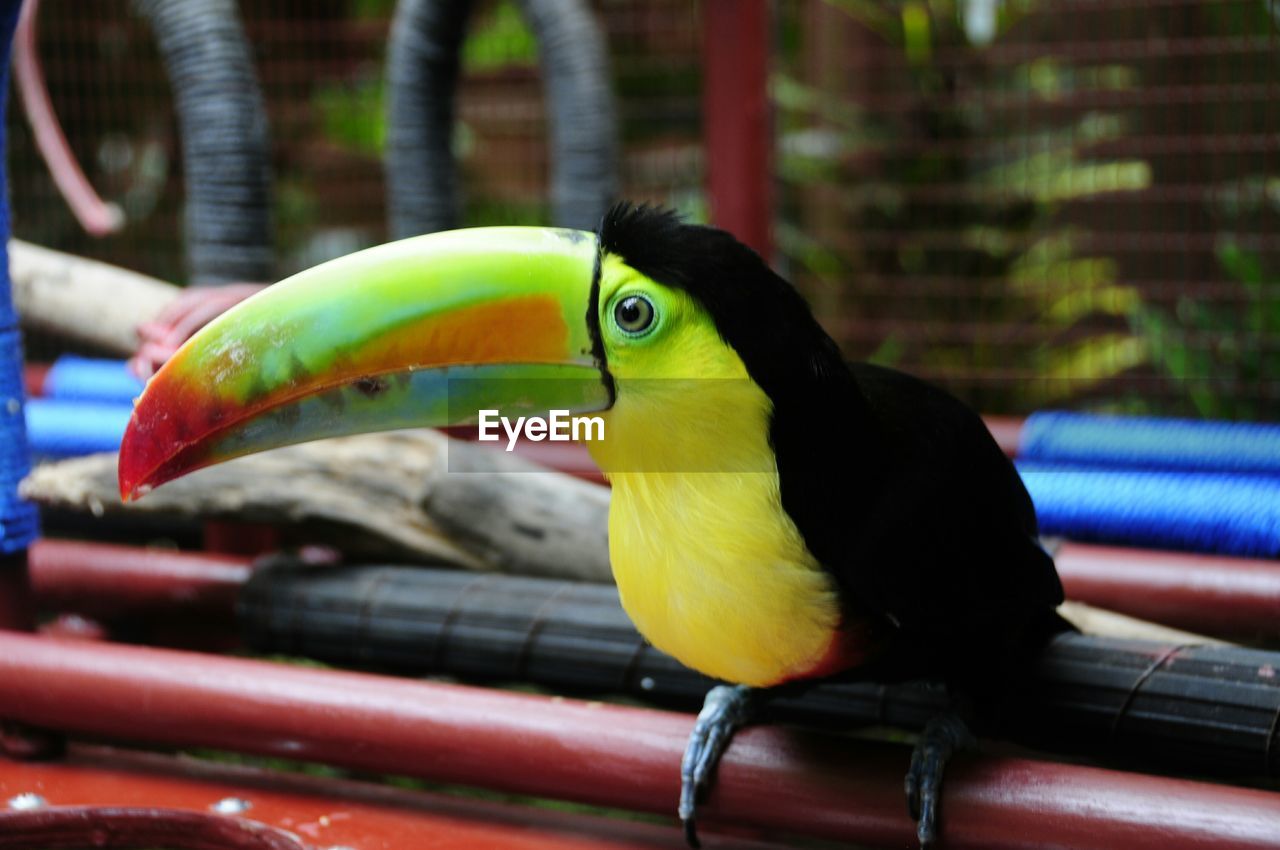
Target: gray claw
x: 726, y: 708
x: 941, y: 738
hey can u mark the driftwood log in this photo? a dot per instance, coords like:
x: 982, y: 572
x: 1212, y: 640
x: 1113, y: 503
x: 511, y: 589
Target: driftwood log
x: 412, y: 495
x: 84, y: 299
x: 417, y: 497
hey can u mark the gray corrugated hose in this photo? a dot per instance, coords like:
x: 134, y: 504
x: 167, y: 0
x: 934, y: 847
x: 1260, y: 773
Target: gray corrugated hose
x: 223, y: 123
x: 422, y: 76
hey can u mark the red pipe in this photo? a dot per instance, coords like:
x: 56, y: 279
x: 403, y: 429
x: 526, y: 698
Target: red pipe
x: 1220, y: 596
x: 33, y: 378
x: 1224, y: 597
x: 324, y: 812
x: 608, y: 755
x: 737, y: 128
x: 96, y: 217
x: 80, y: 826
x: 237, y: 537
x: 114, y: 582
x: 1007, y: 431
x: 15, y: 593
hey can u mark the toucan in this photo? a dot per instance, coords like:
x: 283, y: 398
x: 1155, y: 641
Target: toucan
x: 778, y: 517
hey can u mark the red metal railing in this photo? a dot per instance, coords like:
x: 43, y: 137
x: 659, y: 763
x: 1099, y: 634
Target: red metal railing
x: 1220, y: 596
x: 131, y: 799
x: 772, y: 778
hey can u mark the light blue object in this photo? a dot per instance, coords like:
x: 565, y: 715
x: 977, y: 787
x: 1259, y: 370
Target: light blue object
x: 58, y: 428
x: 18, y: 519
x: 88, y: 379
x: 1196, y: 511
x: 1122, y: 442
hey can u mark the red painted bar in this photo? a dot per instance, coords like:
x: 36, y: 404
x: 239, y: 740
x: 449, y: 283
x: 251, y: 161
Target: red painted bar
x: 738, y: 129
x: 1214, y: 595
x: 95, y: 216
x: 15, y: 593
x: 1007, y: 431
x: 239, y: 537
x: 33, y: 378
x: 110, y: 581
x: 772, y: 778
x: 76, y: 827
x: 324, y: 813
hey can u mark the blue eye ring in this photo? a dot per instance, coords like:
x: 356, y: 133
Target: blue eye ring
x: 635, y: 315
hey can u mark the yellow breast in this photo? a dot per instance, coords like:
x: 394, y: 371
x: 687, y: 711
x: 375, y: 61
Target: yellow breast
x: 710, y: 567
x: 712, y: 572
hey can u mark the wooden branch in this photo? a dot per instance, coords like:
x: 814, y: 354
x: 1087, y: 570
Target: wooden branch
x: 378, y: 495
x: 1104, y: 623
x: 519, y: 517
x: 418, y: 497
x: 84, y: 299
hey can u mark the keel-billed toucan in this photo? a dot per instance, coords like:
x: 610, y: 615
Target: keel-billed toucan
x: 777, y: 516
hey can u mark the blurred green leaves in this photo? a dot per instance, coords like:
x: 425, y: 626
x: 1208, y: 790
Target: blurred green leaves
x: 966, y: 198
x: 352, y: 114
x: 498, y: 41
x: 352, y: 110
x: 1209, y: 349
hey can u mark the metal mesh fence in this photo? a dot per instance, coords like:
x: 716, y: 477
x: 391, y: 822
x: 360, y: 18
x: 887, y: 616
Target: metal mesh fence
x: 1043, y: 203
x: 1036, y: 204
x: 321, y: 69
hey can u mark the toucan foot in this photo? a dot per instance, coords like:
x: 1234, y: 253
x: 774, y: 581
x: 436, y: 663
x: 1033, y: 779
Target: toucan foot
x: 941, y: 738
x: 725, y: 709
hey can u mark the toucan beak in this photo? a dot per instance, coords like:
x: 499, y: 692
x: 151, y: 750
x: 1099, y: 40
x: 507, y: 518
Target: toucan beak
x: 421, y: 332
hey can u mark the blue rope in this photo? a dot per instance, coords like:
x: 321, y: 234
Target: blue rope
x: 1149, y: 443
x: 87, y: 379
x: 1196, y: 511
x: 18, y: 519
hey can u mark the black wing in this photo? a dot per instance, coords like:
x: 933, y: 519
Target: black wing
x: 922, y: 520
x: 897, y: 487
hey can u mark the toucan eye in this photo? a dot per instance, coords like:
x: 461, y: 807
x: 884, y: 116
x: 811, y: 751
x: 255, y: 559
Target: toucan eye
x: 634, y: 314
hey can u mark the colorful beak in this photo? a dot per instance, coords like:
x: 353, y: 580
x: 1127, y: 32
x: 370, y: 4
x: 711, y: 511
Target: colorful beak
x: 421, y: 332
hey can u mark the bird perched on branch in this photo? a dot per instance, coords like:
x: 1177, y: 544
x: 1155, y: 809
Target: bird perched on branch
x: 778, y: 517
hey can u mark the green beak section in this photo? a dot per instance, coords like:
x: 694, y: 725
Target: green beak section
x: 422, y: 332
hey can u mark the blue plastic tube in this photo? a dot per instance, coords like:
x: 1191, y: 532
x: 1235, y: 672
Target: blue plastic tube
x: 1197, y: 511
x: 1124, y: 442
x: 59, y: 429
x: 87, y: 379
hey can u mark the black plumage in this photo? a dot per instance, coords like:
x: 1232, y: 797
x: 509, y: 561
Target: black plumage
x: 898, y: 488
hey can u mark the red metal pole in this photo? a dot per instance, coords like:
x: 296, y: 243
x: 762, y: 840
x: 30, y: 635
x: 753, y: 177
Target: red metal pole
x: 1223, y: 597
x: 608, y: 755
x: 95, y: 216
x: 104, y: 580
x: 134, y: 795
x: 33, y: 378
x: 1007, y: 431
x: 15, y: 593
x: 738, y: 130
x: 1215, y: 595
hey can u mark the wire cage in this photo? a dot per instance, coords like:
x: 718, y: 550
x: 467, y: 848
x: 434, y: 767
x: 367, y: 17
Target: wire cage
x: 1042, y: 204
x: 1036, y: 204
